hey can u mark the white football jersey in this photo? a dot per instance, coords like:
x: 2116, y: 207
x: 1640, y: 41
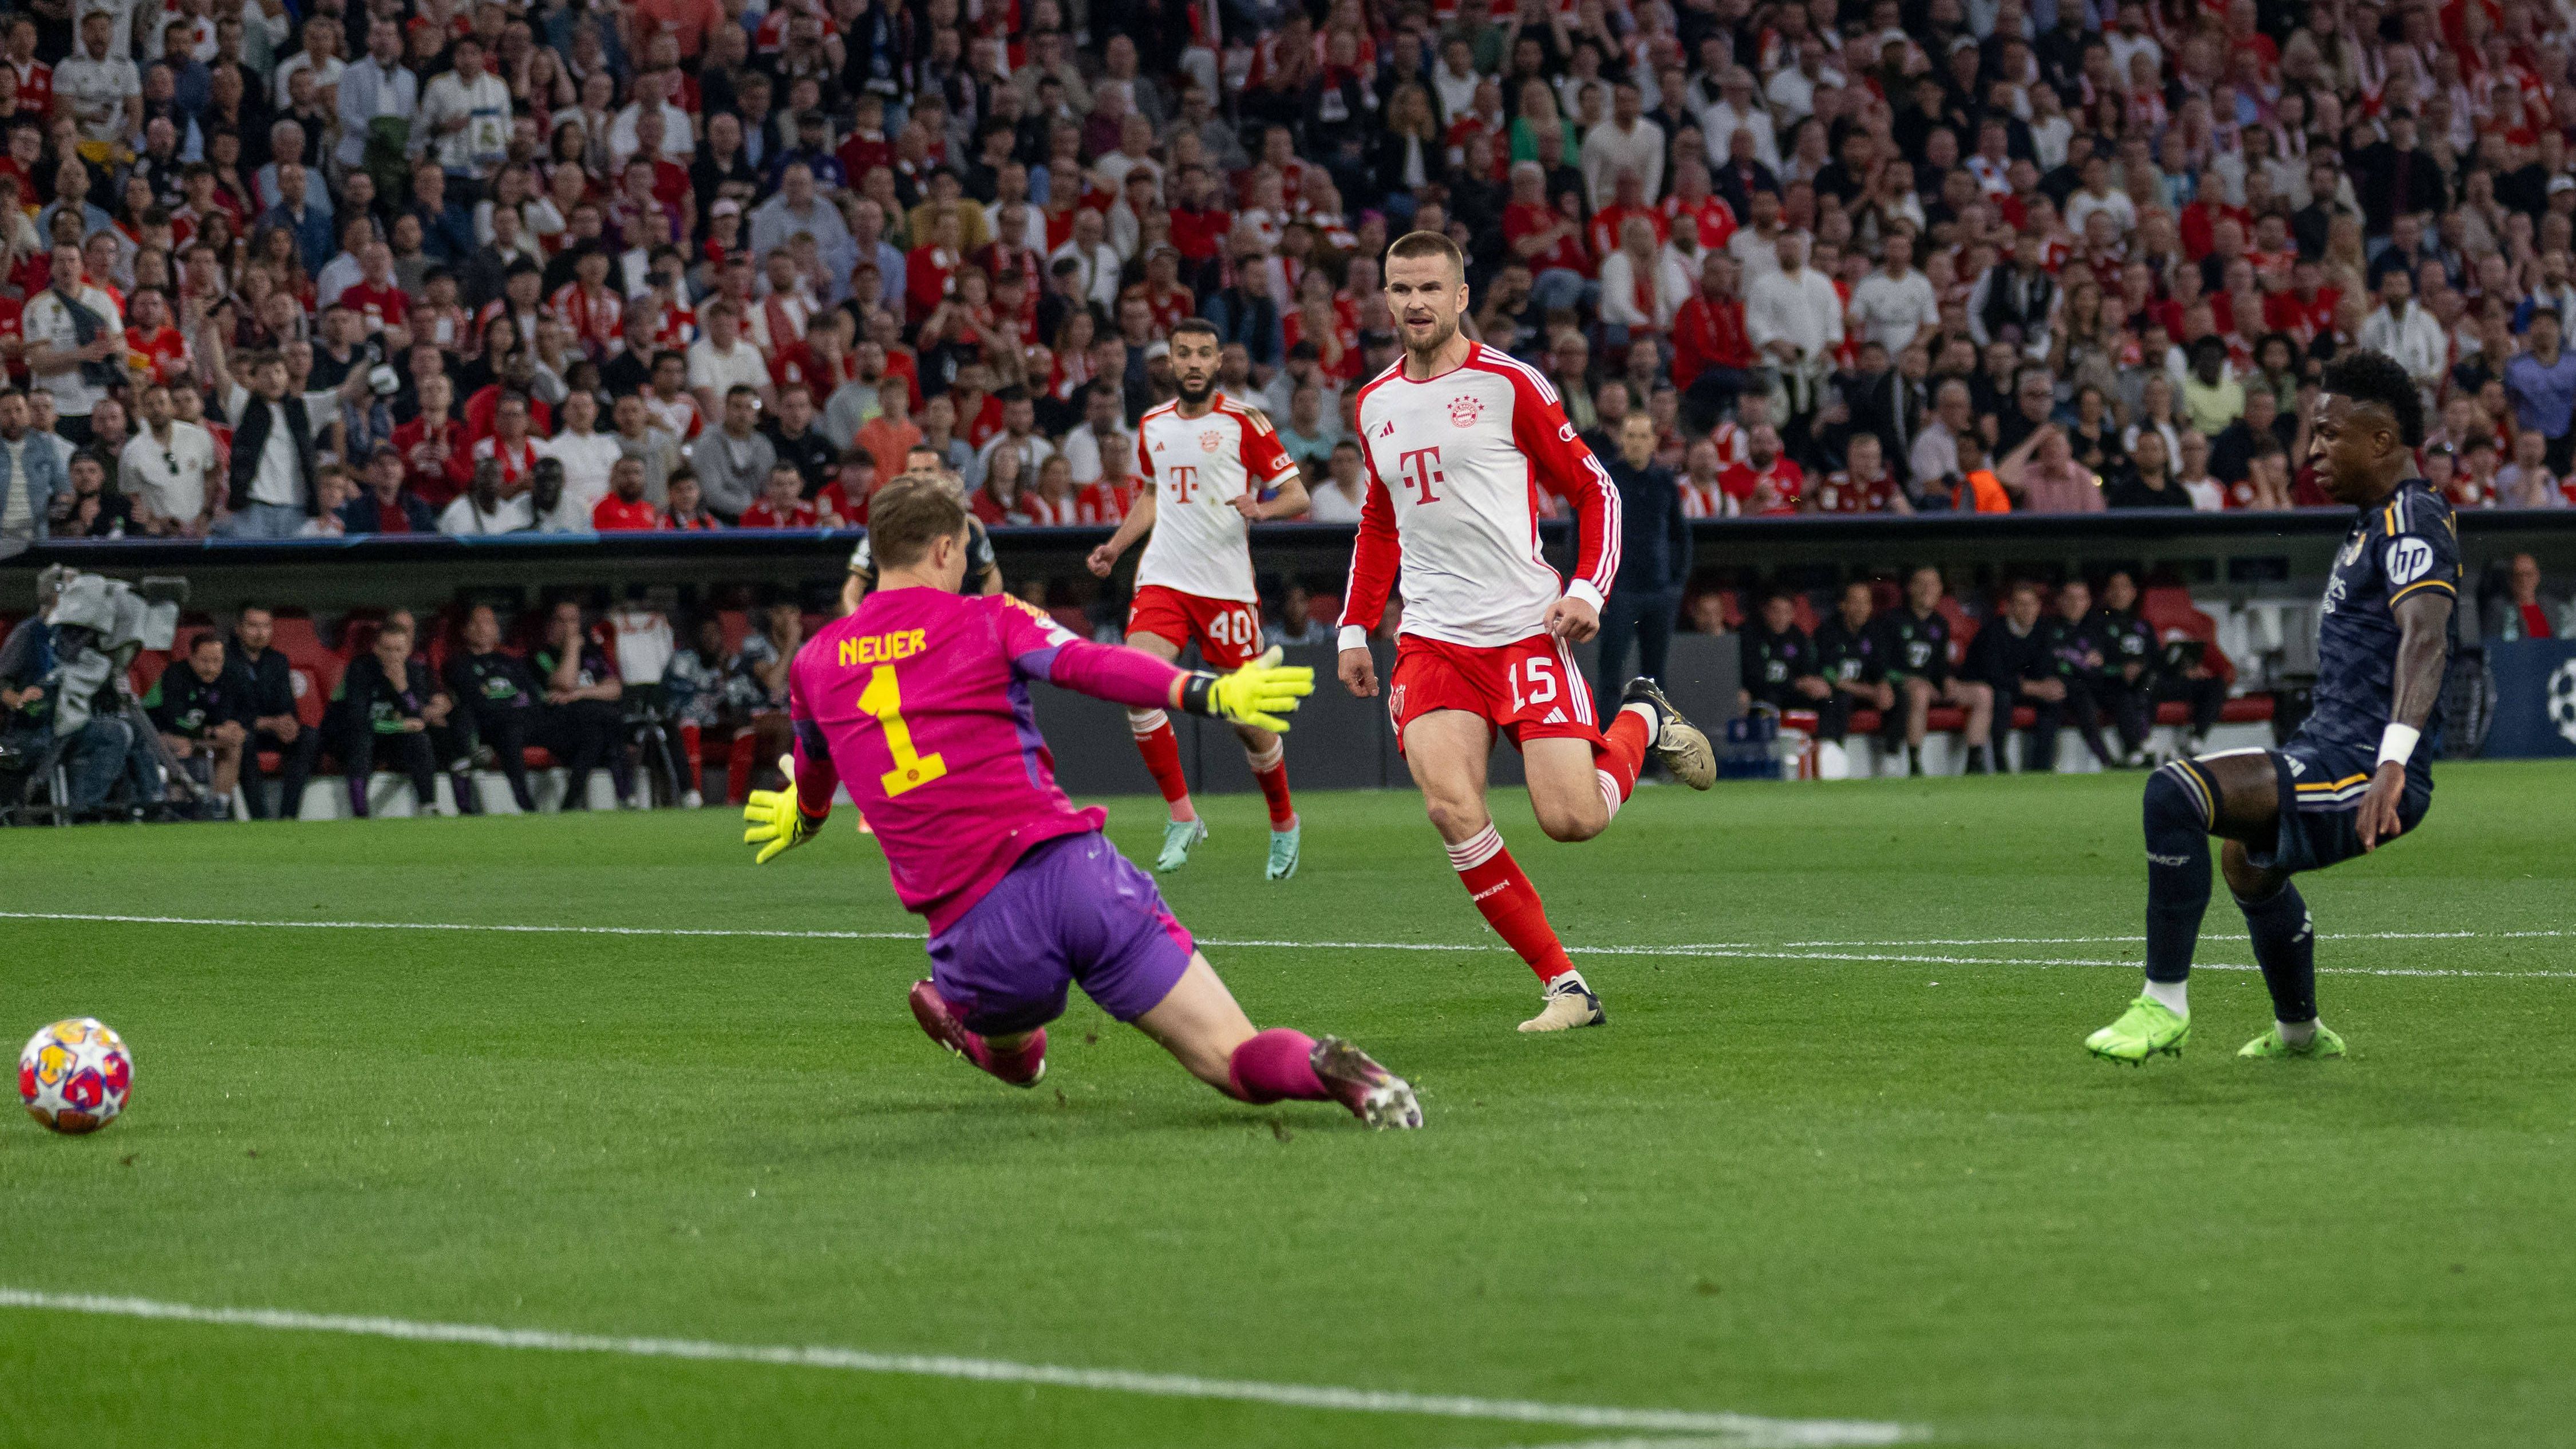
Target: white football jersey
x: 1198, y: 466
x: 1455, y: 466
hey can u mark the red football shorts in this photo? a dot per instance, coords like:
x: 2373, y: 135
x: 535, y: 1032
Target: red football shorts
x: 1527, y: 690
x: 1227, y: 631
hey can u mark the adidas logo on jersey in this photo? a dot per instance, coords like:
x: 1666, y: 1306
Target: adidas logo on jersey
x: 1386, y: 429
x: 1554, y: 716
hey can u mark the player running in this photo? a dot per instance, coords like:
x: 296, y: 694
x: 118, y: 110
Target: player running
x: 919, y: 702
x: 1210, y: 459
x: 1458, y: 439
x: 2356, y: 774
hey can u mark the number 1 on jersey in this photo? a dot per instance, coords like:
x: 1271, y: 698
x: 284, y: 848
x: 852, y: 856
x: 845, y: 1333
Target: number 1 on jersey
x: 883, y: 698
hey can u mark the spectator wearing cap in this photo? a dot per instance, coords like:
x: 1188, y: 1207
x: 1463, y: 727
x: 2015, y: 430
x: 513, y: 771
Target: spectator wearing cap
x: 2542, y: 384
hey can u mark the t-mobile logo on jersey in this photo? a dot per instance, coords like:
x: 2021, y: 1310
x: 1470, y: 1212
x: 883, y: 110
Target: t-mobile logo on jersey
x: 1421, y: 469
x: 1184, y: 478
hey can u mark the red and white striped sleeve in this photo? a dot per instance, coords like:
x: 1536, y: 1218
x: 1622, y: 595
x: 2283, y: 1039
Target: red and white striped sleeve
x: 1266, y: 463
x: 1565, y: 467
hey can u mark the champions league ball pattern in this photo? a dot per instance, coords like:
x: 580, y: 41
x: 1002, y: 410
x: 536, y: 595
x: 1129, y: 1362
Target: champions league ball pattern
x: 75, y: 1075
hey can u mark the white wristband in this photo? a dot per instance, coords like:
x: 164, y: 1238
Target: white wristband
x: 1354, y: 637
x: 2397, y: 742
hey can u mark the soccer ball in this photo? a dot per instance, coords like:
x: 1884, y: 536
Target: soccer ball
x: 75, y: 1075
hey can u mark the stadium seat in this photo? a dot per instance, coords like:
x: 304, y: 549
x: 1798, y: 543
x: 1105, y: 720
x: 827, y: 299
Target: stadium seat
x: 737, y: 627
x: 1866, y: 721
x: 1884, y: 595
x: 1324, y: 606
x: 312, y: 695
x: 358, y: 635
x: 1943, y: 718
x: 302, y: 645
x: 1806, y: 608
x: 147, y: 669
x: 1963, y: 628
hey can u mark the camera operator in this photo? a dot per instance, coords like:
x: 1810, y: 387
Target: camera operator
x: 104, y: 749
x: 202, y: 710
x: 269, y: 695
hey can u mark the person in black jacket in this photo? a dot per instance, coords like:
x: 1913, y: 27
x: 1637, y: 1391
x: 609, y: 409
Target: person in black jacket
x: 2010, y: 655
x: 2072, y: 644
x: 1919, y: 667
x: 1852, y: 652
x: 2128, y: 665
x: 496, y: 700
x: 269, y: 693
x: 202, y: 710
x: 386, y: 705
x: 1779, y: 670
x: 583, y: 717
x: 1654, y: 560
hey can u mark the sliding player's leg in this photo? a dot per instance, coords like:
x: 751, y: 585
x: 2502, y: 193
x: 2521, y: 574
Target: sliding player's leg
x: 2236, y: 796
x: 1198, y: 1022
x: 1447, y: 751
x: 1263, y: 751
x: 1161, y: 747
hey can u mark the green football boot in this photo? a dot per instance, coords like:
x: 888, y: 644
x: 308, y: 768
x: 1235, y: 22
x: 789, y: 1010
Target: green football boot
x: 1283, y: 850
x: 1178, y: 837
x: 2146, y: 1028
x: 2270, y: 1046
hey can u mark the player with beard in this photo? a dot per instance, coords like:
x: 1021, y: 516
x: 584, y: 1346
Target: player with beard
x: 1458, y: 439
x: 2355, y: 775
x: 1217, y: 467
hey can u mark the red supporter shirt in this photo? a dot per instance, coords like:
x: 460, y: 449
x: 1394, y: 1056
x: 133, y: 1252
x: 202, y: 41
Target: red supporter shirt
x: 1101, y: 503
x: 1716, y: 219
x: 760, y: 515
x: 1199, y: 235
x: 424, y: 468
x: 163, y: 356
x: 1566, y: 251
x: 1771, y: 490
x: 1842, y: 493
x: 383, y: 307
x: 615, y: 515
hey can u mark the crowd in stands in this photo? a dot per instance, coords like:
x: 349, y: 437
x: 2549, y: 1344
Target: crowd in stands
x: 312, y: 267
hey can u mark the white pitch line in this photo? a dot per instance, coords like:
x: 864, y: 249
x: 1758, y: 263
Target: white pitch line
x: 1727, y: 950
x: 1739, y: 1429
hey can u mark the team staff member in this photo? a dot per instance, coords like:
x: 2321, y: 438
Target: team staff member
x: 583, y: 713
x: 1779, y: 660
x: 1654, y: 559
x: 2076, y: 657
x: 1852, y: 653
x: 274, y: 726
x: 2009, y: 656
x: 387, y: 704
x: 2127, y: 683
x: 496, y: 698
x: 1919, y: 666
x: 202, y: 711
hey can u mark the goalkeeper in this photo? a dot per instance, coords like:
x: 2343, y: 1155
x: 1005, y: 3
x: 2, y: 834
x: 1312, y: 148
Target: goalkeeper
x: 918, y: 702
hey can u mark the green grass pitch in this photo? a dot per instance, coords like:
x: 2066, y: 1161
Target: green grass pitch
x: 1874, y: 1180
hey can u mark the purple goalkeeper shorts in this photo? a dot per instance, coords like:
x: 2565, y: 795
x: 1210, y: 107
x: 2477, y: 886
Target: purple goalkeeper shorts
x: 1072, y: 910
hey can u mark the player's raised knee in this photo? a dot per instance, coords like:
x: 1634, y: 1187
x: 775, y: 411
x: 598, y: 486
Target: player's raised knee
x: 2176, y: 795
x: 1570, y: 822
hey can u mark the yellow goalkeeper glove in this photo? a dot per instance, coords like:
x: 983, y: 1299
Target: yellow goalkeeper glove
x: 778, y: 823
x: 1256, y: 695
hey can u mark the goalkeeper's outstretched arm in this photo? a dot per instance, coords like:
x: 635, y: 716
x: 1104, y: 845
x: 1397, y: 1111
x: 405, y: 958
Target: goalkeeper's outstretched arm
x: 1257, y: 694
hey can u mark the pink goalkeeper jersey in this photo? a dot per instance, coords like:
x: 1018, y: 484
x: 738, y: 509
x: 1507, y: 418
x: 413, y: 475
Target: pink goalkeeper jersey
x: 919, y: 702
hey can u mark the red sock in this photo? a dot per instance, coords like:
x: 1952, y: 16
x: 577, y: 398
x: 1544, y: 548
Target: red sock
x: 1276, y: 1065
x: 1510, y: 903
x: 1616, y: 760
x: 1162, y: 751
x: 1271, y: 771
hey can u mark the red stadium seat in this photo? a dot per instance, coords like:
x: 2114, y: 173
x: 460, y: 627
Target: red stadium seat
x: 1865, y: 721
x: 2023, y: 717
x: 147, y: 669
x: 1884, y: 595
x: 312, y: 696
x: 1943, y: 717
x: 537, y: 757
x: 1806, y: 611
x: 1327, y: 607
x: 737, y: 627
x: 2172, y: 614
x: 1963, y: 627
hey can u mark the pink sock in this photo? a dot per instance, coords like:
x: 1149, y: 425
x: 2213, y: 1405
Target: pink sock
x: 1277, y: 1064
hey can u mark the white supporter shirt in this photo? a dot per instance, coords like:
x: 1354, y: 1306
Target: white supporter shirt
x: 586, y: 459
x: 47, y: 320
x: 1804, y: 311
x: 171, y: 478
x: 1455, y: 464
x: 722, y: 371
x: 1892, y: 312
x: 1200, y: 545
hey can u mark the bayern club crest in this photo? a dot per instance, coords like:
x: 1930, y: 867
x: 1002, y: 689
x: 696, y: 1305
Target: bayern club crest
x: 1465, y: 410
x: 1211, y: 440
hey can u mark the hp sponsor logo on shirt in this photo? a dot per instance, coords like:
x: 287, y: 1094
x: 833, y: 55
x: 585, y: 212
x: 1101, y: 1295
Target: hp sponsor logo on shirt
x: 2562, y: 700
x: 2408, y: 559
